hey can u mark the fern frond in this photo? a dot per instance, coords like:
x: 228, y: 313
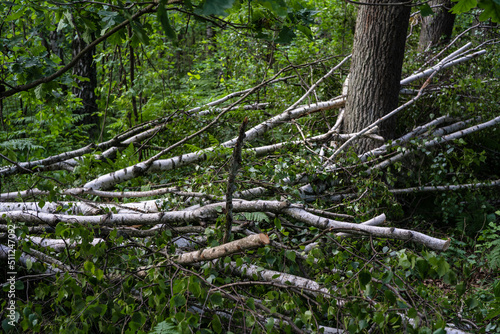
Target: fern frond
x: 213, y: 141
x: 254, y: 216
x: 20, y: 144
x: 494, y: 256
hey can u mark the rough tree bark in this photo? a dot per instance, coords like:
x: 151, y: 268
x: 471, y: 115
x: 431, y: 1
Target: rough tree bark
x: 56, y: 44
x: 437, y: 26
x: 377, y: 60
x: 86, y: 68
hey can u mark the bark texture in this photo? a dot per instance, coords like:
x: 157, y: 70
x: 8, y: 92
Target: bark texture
x: 86, y: 68
x: 438, y: 27
x: 377, y: 60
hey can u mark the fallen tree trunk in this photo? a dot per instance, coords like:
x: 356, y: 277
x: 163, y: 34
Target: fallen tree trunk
x: 253, y: 241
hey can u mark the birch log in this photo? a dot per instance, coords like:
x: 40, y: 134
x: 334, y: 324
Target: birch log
x: 252, y: 241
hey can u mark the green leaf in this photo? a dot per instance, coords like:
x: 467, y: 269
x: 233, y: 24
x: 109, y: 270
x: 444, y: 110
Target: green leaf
x: 69, y: 18
x: 290, y: 255
x: 472, y: 303
x: 14, y: 16
x: 493, y: 313
x: 7, y: 326
x: 194, y: 287
x: 277, y: 223
x: 425, y: 10
x: 19, y: 285
x: 139, y: 32
x: 379, y: 318
x: 389, y: 295
x: 285, y: 36
x: 270, y: 259
x: 251, y: 303
x: 491, y: 10
x: 216, y: 299
x: 29, y: 264
x: 463, y: 6
x: 442, y: 267
x: 305, y: 30
x: 99, y: 274
x: 250, y: 320
x: 162, y: 16
x: 387, y: 277
x: 216, y: 7
x: 496, y: 289
x: 39, y: 93
x: 256, y: 216
x: 422, y: 267
x: 89, y: 266
x: 269, y: 324
x: 138, y: 318
x: 216, y: 324
x: 364, y: 277
x: 178, y: 300
x: 460, y: 289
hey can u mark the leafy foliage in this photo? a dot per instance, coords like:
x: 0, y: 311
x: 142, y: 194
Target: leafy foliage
x: 126, y: 284
x: 491, y: 8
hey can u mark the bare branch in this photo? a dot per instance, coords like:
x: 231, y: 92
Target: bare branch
x: 231, y: 187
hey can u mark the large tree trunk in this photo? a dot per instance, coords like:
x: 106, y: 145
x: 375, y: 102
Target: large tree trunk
x: 86, y: 68
x: 437, y: 26
x: 377, y: 60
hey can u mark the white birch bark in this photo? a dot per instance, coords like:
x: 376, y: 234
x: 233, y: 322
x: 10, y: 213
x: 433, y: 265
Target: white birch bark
x: 376, y: 231
x: 84, y: 208
x: 58, y: 244
x: 495, y: 183
x: 109, y: 180
x: 437, y: 141
x: 407, y: 137
x: 250, y: 271
x: 212, y: 211
x: 25, y: 258
x: 440, y: 66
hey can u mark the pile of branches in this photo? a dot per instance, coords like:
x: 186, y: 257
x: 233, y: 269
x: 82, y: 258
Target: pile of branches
x: 191, y: 248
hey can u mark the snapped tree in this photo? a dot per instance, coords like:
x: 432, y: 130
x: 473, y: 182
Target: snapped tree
x: 275, y: 227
